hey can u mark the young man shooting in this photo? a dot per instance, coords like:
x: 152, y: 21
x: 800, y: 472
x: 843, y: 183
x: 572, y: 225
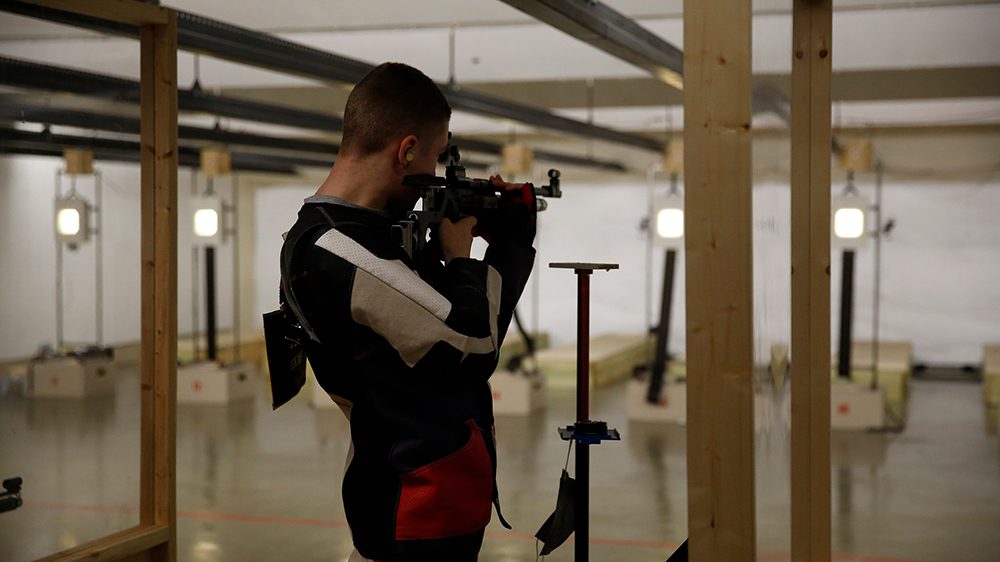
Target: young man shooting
x: 406, y: 347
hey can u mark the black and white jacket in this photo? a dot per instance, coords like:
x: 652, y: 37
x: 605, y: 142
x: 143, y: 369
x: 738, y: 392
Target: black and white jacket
x: 407, y: 351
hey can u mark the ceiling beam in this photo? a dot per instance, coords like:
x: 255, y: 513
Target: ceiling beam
x: 848, y: 86
x: 483, y: 104
x: 600, y: 26
x: 546, y: 155
x: 263, y: 50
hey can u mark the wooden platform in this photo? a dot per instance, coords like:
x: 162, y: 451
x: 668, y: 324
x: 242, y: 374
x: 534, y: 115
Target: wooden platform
x: 672, y: 406
x: 72, y: 377
x: 613, y: 357
x: 991, y: 375
x: 895, y: 366
x: 513, y: 345
x: 857, y: 407
x: 127, y: 354
x: 517, y: 394
x: 207, y: 382
x: 893, y: 356
x: 251, y: 349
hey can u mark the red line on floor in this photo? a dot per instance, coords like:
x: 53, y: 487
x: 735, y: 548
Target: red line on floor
x: 263, y: 519
x: 199, y: 515
x: 509, y: 535
x: 863, y: 558
x: 635, y: 543
x: 83, y: 507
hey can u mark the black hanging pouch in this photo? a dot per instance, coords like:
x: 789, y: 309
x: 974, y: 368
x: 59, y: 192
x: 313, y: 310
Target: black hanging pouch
x: 286, y: 330
x: 561, y: 524
x: 286, y: 357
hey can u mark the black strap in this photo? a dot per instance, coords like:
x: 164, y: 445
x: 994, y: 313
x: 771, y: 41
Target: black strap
x: 496, y: 504
x: 287, y: 295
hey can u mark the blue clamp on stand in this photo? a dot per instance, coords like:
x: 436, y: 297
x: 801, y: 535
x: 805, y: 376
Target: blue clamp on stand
x: 589, y: 432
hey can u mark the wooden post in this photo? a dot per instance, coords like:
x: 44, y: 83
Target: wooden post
x: 810, y: 122
x: 157, y: 496
x: 718, y: 244
x: 155, y: 539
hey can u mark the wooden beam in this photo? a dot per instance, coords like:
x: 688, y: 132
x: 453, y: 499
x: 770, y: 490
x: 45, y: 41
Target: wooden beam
x: 119, y: 546
x: 157, y: 498
x: 122, y: 11
x: 718, y: 246
x: 810, y: 134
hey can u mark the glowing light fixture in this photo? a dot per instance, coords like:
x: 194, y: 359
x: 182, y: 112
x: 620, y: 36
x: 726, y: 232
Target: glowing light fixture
x: 68, y: 222
x: 72, y: 224
x: 849, y: 223
x: 670, y: 221
x: 206, y: 217
x: 850, y: 215
x: 206, y: 223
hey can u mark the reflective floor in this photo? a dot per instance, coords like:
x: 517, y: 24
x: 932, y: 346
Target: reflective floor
x: 260, y: 486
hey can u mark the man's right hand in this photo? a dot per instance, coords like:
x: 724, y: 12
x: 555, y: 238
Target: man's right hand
x: 456, y: 238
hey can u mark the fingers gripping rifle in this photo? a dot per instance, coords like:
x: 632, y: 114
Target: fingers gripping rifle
x: 454, y: 196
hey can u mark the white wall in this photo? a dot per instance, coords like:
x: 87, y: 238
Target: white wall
x: 27, y: 258
x: 940, y: 270
x: 940, y: 265
x: 939, y: 290
x: 276, y: 210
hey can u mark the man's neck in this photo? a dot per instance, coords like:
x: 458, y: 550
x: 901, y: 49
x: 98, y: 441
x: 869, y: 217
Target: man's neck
x: 356, y: 182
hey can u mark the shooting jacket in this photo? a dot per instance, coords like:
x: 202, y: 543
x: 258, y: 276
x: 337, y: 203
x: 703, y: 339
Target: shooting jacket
x: 407, y: 350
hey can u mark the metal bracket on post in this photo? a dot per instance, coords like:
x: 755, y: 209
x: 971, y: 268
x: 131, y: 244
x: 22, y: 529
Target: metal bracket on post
x: 585, y: 432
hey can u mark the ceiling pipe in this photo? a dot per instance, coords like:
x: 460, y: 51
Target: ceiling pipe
x: 26, y: 74
x: 12, y: 138
x: 616, y: 34
x: 600, y: 26
x: 30, y: 113
x: 245, y: 46
x: 48, y: 143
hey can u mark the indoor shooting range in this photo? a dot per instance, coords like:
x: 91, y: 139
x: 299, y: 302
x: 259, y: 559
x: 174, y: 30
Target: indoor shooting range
x: 500, y: 280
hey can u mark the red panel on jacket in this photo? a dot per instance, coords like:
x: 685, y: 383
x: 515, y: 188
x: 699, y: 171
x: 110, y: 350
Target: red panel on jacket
x: 451, y: 496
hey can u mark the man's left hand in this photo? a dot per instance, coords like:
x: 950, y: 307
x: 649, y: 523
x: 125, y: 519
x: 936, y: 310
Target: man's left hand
x: 516, y: 222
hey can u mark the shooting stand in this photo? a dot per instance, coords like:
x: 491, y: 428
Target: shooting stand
x: 585, y: 432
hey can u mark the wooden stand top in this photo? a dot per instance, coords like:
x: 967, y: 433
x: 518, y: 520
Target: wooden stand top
x: 584, y: 266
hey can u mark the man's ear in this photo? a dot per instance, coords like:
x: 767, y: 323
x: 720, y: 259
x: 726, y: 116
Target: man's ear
x: 406, y: 152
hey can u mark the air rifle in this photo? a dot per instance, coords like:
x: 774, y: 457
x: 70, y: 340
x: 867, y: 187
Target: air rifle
x: 454, y: 196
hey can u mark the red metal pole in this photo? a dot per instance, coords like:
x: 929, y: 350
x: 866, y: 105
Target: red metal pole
x: 583, y: 345
x: 592, y: 432
x: 582, y: 512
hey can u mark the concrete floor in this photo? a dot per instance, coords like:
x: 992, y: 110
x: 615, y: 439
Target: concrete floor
x: 260, y: 486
